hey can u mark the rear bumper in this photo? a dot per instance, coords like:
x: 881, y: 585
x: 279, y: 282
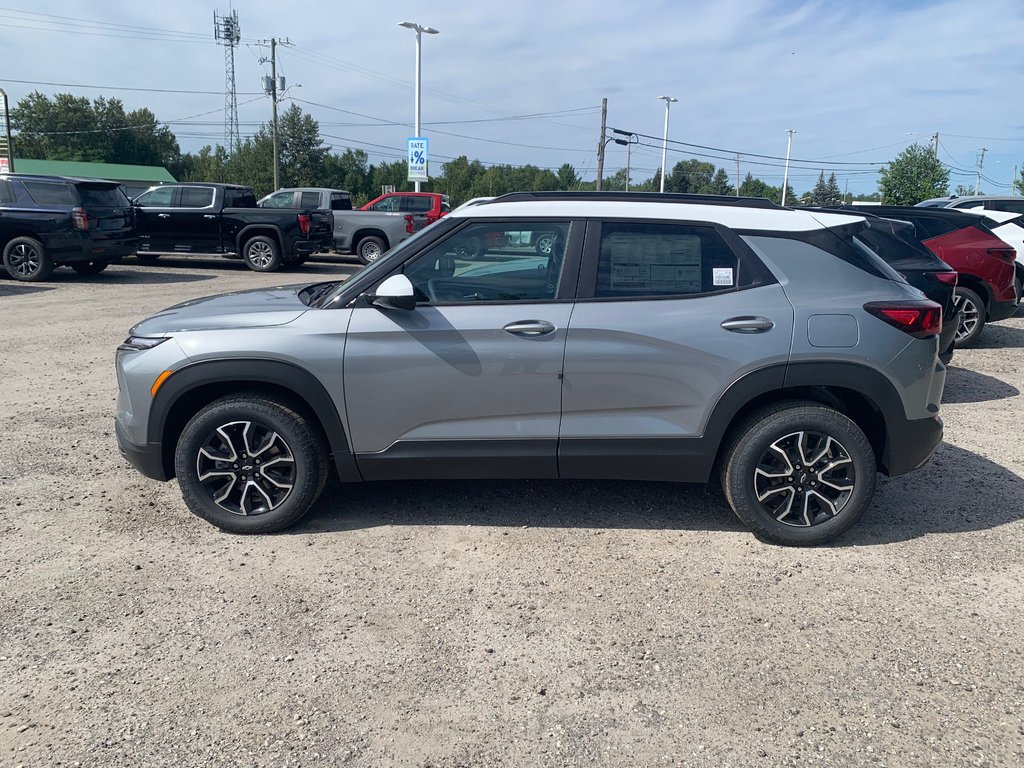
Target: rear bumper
x: 147, y: 459
x: 910, y: 443
x: 308, y: 247
x: 948, y: 336
x: 1000, y: 310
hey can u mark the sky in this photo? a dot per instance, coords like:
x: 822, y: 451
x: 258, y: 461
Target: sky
x: 522, y: 82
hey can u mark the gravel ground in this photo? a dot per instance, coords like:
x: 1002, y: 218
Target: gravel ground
x: 486, y: 623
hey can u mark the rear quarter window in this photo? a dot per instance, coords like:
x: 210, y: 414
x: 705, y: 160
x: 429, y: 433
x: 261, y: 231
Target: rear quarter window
x: 196, y: 197
x: 239, y: 198
x: 50, y: 193
x: 309, y: 200
x: 102, y: 197
x: 6, y: 192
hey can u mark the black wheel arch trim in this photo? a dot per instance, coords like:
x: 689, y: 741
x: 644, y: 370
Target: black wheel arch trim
x: 254, y: 371
x: 253, y: 230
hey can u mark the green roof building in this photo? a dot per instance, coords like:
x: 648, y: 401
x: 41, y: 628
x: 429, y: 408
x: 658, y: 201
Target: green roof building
x: 134, y: 178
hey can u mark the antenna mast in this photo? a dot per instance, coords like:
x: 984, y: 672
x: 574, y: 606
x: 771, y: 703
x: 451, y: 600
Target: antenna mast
x: 228, y: 33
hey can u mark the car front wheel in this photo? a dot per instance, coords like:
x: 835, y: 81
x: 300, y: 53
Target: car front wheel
x: 249, y: 464
x: 798, y: 473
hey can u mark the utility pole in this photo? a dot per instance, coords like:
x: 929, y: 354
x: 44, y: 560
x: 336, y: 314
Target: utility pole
x: 981, y: 162
x: 664, y: 141
x: 1013, y: 179
x: 935, y: 143
x: 273, y: 87
x: 601, y: 143
x: 6, y: 147
x: 737, y: 174
x: 785, y: 175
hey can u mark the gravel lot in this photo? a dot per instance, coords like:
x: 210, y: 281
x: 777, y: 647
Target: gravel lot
x: 486, y: 623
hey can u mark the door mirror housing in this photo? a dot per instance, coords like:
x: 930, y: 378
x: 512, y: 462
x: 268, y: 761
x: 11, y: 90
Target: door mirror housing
x: 396, y: 292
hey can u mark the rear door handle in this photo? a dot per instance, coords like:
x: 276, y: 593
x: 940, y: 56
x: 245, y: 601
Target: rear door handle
x: 530, y: 328
x: 748, y: 324
x: 163, y: 215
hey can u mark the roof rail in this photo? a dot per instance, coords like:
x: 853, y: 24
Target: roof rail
x: 640, y: 197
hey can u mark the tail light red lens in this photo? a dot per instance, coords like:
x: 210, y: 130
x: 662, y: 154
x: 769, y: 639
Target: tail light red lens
x: 304, y: 223
x: 1006, y: 254
x: 946, y: 278
x: 408, y: 224
x: 918, y: 318
x: 79, y: 218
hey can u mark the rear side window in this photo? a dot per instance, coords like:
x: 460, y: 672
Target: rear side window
x: 640, y: 259
x: 309, y: 200
x: 340, y: 202
x: 6, y: 193
x: 101, y: 196
x: 1010, y: 206
x: 841, y: 242
x: 196, y: 197
x: 241, y: 198
x: 50, y: 193
x: 416, y: 204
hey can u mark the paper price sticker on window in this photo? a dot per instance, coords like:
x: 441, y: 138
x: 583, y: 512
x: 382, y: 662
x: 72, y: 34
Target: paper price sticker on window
x: 722, y: 276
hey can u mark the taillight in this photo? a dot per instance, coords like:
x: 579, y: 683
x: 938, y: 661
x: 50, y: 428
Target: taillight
x: 408, y: 224
x: 1006, y: 254
x: 946, y: 278
x: 304, y: 223
x: 918, y: 318
x: 79, y: 218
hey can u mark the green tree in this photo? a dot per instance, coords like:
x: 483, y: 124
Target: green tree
x: 835, y: 195
x: 963, y: 190
x: 1018, y: 183
x: 566, y: 177
x: 752, y: 187
x: 914, y: 175
x: 825, y: 192
x: 457, y: 178
x: 350, y: 171
x: 301, y: 150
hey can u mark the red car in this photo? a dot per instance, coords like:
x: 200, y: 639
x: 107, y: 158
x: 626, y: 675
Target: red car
x: 427, y: 207
x: 985, y: 289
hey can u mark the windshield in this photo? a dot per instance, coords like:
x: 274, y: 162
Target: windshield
x: 383, y: 264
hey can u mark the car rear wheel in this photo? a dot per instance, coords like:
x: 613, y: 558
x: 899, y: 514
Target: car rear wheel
x: 972, y: 316
x: 26, y: 259
x: 90, y: 267
x: 798, y: 473
x: 250, y: 464
x: 370, y: 249
x: 262, y: 254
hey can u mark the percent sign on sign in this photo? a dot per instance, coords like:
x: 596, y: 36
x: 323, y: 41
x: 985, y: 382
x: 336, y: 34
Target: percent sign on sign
x: 418, y: 158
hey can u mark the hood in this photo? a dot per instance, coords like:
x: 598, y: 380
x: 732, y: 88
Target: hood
x: 259, y: 308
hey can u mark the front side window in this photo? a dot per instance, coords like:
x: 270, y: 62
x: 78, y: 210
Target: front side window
x: 196, y: 197
x: 280, y: 200
x: 517, y: 261
x: 652, y: 260
x: 160, y: 197
x: 50, y: 193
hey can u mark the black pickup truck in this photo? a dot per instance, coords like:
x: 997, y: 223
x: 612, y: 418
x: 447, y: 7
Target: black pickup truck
x: 224, y: 220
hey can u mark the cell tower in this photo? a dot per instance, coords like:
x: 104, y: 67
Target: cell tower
x: 228, y: 33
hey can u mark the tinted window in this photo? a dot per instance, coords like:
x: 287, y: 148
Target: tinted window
x: 196, y: 197
x: 520, y: 261
x: 6, y: 193
x: 387, y: 204
x: 239, y: 198
x: 340, y: 202
x: 101, y: 196
x: 840, y: 242
x: 639, y: 259
x: 280, y: 200
x: 928, y: 226
x: 50, y: 193
x: 1011, y: 206
x: 156, y: 198
x: 415, y: 204
x: 309, y: 200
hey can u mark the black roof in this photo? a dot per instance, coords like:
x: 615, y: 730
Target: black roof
x: 909, y: 212
x: 43, y: 177
x: 216, y: 184
x: 640, y: 197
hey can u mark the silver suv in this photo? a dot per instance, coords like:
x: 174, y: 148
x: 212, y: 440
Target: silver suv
x: 660, y: 337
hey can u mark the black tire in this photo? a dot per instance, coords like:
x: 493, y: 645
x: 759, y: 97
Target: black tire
x: 256, y: 501
x: 262, y: 254
x: 89, y: 267
x: 757, y: 495
x: 370, y: 248
x: 545, y: 242
x: 25, y: 259
x: 973, y: 316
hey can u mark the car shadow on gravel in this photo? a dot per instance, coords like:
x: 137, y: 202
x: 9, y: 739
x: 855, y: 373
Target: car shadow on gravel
x: 966, y: 386
x: 15, y: 289
x: 999, y: 336
x: 957, y: 492
x: 125, y: 277
x: 333, y: 266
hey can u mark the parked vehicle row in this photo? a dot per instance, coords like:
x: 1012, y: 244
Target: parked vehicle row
x: 660, y: 337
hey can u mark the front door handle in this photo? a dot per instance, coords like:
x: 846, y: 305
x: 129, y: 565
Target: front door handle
x: 530, y: 328
x: 748, y: 324
x: 163, y: 215
x: 209, y: 216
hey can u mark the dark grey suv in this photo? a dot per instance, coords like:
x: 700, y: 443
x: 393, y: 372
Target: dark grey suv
x: 661, y: 337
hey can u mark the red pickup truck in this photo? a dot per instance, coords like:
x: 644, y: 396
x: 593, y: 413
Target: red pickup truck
x: 427, y: 207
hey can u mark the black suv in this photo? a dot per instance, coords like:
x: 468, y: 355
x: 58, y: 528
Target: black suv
x: 50, y: 221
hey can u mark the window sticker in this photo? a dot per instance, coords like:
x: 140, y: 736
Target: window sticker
x: 722, y: 276
x: 651, y: 261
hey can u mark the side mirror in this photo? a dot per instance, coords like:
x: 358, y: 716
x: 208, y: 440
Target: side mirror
x: 396, y: 292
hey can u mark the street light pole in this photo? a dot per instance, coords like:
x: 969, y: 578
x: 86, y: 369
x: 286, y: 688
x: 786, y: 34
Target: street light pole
x: 664, y: 142
x: 419, y: 33
x: 785, y: 175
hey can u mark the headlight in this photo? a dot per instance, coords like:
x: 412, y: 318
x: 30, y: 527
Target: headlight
x: 139, y: 343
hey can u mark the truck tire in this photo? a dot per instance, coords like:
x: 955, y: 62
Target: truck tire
x: 262, y: 254
x: 370, y: 248
x: 89, y: 267
x: 25, y: 259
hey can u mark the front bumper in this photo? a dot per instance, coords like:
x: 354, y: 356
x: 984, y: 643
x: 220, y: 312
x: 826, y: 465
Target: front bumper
x: 910, y: 443
x: 147, y: 459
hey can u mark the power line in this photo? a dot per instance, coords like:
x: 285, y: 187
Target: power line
x: 93, y: 23
x: 125, y: 88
